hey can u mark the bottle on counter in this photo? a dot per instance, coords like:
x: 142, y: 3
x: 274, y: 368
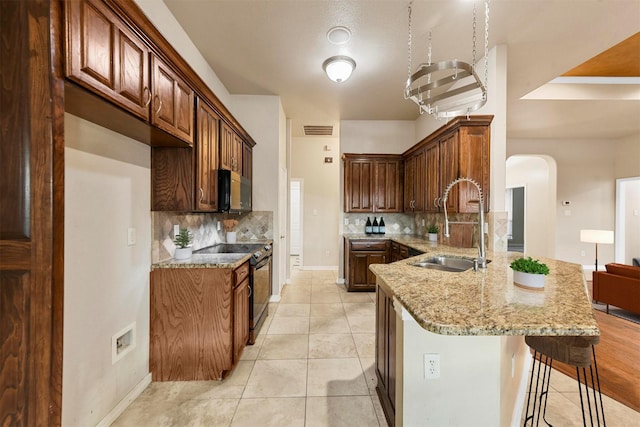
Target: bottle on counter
x: 375, y: 229
x: 367, y: 227
x: 381, y: 226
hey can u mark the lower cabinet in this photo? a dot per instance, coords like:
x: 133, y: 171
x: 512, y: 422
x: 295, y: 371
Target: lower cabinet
x: 386, y: 353
x: 399, y: 252
x: 199, y: 322
x: 359, y: 254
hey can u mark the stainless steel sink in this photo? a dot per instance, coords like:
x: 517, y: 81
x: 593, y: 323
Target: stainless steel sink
x: 446, y: 263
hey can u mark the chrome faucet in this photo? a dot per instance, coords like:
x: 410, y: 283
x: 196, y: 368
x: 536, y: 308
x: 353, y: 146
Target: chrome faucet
x: 482, y: 258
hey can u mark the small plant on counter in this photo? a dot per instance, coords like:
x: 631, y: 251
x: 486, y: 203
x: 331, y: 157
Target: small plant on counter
x: 183, y: 239
x: 433, y: 228
x: 529, y: 265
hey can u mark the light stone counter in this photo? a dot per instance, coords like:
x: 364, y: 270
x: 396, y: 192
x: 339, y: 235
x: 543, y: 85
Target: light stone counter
x: 205, y: 261
x: 486, y: 302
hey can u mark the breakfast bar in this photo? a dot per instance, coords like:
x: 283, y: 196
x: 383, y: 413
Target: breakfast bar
x: 464, y: 333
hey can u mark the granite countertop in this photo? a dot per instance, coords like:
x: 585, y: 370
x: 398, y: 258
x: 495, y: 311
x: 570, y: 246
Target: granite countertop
x: 205, y: 261
x: 486, y: 302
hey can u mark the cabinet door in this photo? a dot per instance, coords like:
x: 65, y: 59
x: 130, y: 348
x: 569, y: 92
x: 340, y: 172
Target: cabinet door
x: 247, y: 161
x: 449, y: 169
x: 104, y: 56
x: 359, y: 271
x: 240, y: 318
x: 358, y: 178
x: 409, y: 177
x: 374, y: 258
x: 237, y: 153
x: 207, y: 158
x: 473, y: 162
x: 388, y: 186
x: 226, y: 147
x: 432, y: 181
x: 172, y: 179
x: 386, y: 353
x: 173, y: 102
x: 419, y: 181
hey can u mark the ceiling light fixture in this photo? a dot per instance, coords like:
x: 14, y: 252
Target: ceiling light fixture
x: 449, y: 88
x: 339, y: 68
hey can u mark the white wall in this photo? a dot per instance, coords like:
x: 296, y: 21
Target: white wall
x: 586, y: 178
x: 627, y: 162
x: 107, y: 182
x: 631, y: 210
x: 538, y: 175
x: 376, y: 136
x: 320, y: 199
x: 263, y: 117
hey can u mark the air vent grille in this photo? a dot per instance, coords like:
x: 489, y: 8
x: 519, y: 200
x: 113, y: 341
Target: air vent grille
x: 318, y: 130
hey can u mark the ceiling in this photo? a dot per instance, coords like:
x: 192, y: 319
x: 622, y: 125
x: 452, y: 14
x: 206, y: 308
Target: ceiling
x: 276, y: 47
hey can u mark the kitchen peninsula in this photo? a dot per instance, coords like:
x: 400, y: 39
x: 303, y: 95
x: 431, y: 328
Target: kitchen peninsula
x: 473, y: 323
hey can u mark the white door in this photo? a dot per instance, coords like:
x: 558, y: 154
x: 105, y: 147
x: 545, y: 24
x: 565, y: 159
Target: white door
x: 283, y: 263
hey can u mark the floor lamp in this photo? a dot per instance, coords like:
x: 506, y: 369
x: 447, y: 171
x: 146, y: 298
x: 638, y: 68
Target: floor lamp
x: 596, y: 236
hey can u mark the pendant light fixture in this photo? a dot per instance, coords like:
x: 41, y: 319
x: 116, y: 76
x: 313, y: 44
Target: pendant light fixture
x: 449, y: 88
x: 339, y: 68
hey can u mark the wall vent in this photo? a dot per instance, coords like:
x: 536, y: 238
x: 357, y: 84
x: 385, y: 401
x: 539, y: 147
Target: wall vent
x: 318, y: 130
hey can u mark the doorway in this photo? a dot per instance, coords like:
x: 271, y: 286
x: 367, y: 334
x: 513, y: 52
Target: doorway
x: 295, y: 232
x: 514, y: 205
x: 627, y: 238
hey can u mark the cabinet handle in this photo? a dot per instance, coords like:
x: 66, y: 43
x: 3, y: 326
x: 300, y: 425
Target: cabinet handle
x: 159, y: 104
x: 201, y: 194
x: 148, y: 92
x: 435, y: 202
x: 249, y: 296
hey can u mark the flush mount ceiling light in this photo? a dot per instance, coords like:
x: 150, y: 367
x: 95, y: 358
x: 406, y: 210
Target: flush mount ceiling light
x: 339, y: 35
x: 339, y: 68
x: 449, y: 88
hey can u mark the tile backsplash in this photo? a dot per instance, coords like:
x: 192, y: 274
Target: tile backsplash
x: 394, y: 223
x: 256, y: 225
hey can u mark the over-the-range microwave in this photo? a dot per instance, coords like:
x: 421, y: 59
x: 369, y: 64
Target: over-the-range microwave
x: 234, y: 192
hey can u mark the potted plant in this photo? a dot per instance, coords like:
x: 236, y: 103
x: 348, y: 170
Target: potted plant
x: 229, y: 225
x: 183, y: 244
x: 529, y: 273
x: 432, y: 231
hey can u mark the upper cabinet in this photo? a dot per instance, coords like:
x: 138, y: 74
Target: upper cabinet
x: 230, y: 149
x: 104, y: 56
x: 458, y: 149
x: 172, y: 105
x: 207, y: 158
x: 373, y: 182
x: 414, y: 181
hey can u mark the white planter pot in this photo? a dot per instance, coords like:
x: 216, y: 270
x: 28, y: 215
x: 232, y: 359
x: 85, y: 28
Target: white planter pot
x: 433, y: 237
x: 183, y: 253
x: 231, y: 236
x: 528, y: 280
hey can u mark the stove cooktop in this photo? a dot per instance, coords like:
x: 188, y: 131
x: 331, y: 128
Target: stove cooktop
x: 259, y: 251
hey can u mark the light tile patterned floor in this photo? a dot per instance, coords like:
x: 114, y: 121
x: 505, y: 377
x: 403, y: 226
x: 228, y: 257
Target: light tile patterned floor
x: 312, y: 365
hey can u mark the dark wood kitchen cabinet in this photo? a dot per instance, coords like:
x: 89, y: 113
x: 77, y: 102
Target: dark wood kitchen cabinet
x: 172, y: 102
x: 414, y: 181
x: 359, y: 254
x: 206, y: 148
x: 373, y: 183
x: 399, y: 252
x: 386, y: 370
x: 199, y: 322
x: 106, y: 57
x: 458, y: 149
x: 231, y: 149
x: 247, y: 160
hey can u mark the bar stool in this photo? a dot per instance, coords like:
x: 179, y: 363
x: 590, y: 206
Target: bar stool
x: 574, y: 351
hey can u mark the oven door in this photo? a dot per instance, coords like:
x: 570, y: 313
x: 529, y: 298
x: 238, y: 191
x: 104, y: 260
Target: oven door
x: 260, y: 294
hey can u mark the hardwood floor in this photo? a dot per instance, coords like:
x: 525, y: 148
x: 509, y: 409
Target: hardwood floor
x: 618, y: 357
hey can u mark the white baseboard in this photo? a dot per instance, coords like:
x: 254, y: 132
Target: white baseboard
x: 340, y: 281
x: 516, y: 416
x: 275, y: 298
x: 320, y: 268
x: 125, y: 402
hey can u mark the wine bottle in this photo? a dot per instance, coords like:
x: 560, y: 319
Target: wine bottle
x: 367, y: 227
x: 381, y: 226
x: 375, y: 229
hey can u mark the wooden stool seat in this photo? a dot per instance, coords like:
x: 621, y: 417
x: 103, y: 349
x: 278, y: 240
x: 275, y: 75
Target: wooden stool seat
x: 578, y: 351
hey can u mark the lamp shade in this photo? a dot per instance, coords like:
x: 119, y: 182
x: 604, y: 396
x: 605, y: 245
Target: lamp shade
x: 596, y: 236
x: 339, y: 68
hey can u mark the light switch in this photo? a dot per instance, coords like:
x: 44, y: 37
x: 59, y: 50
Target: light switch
x: 176, y: 230
x: 131, y: 236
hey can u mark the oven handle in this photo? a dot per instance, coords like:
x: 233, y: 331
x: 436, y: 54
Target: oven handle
x: 262, y: 263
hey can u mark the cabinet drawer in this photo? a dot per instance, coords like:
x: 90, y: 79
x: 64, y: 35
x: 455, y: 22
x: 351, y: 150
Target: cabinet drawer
x: 241, y: 273
x: 369, y: 245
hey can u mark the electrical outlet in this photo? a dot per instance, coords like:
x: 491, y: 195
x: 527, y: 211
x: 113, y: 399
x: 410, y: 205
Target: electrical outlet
x: 583, y: 253
x: 431, y: 365
x: 423, y: 222
x: 513, y: 365
x: 346, y: 221
x: 357, y: 221
x: 131, y: 236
